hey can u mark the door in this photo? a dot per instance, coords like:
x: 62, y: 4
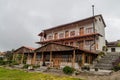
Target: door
x: 81, y: 31
x: 81, y: 44
x: 56, y: 61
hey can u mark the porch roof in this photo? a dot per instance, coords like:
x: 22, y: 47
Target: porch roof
x: 24, y: 49
x: 59, y: 47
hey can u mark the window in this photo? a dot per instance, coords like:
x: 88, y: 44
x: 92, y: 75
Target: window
x: 66, y: 34
x: 61, y: 35
x: 99, y: 19
x: 113, y: 50
x: 86, y: 59
x: 56, y: 36
x: 50, y: 37
x: 66, y: 58
x: 89, y: 30
x: 81, y: 32
x: 72, y: 33
x: 71, y: 43
x: 88, y: 42
x: 66, y: 43
x: 81, y: 44
x: 78, y: 57
x: 47, y: 57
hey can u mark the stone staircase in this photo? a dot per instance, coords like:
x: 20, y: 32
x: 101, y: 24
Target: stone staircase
x: 106, y: 61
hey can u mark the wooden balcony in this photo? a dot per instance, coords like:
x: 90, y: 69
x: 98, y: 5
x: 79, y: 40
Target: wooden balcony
x: 81, y: 37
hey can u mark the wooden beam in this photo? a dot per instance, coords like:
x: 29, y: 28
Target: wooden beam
x: 34, y: 58
x: 16, y: 58
x: 73, y: 61
x: 89, y: 59
x: 51, y: 59
x: 28, y: 57
x: 22, y: 58
x: 83, y: 58
x: 42, y: 59
x: 13, y: 57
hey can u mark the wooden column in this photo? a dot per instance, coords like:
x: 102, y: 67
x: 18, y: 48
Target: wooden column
x: 34, y: 58
x: 83, y: 58
x: 28, y: 57
x: 89, y: 59
x: 22, y: 58
x: 13, y: 57
x: 16, y: 58
x: 42, y: 58
x: 73, y: 61
x: 51, y: 59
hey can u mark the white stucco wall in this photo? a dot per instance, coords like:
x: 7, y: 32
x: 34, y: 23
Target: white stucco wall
x: 99, y: 26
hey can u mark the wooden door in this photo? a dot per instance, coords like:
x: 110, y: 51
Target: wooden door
x: 56, y: 61
x: 81, y: 44
x: 66, y: 34
x: 81, y: 31
x: 56, y: 36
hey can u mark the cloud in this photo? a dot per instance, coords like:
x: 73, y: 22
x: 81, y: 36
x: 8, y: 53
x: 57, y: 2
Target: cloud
x: 22, y: 20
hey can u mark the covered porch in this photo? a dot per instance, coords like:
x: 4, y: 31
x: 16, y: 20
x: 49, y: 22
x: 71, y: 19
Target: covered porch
x: 24, y: 55
x: 58, y: 55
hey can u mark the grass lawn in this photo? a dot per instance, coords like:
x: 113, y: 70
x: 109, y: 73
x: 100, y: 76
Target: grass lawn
x: 7, y: 74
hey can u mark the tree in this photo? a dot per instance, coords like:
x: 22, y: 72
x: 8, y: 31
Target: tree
x: 9, y: 55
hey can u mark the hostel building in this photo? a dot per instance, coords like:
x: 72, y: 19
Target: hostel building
x: 72, y: 44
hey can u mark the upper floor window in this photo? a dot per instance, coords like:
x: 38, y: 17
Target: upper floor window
x: 56, y: 36
x: 50, y: 37
x: 89, y: 30
x: 71, y: 43
x: 66, y: 43
x: 66, y: 34
x: 72, y: 33
x: 88, y: 42
x: 61, y: 35
x: 81, y: 31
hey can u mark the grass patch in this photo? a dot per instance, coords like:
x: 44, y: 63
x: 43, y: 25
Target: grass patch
x: 7, y: 74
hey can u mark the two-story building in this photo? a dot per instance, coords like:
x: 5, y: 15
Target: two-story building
x: 71, y: 43
x: 80, y: 34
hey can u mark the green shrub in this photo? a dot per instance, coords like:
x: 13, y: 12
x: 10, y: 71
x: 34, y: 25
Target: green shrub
x: 2, y: 62
x: 68, y: 70
x: 26, y: 66
x: 116, y: 67
x: 15, y: 63
x: 36, y: 66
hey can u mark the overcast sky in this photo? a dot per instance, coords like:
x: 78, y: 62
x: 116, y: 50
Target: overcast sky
x: 22, y: 20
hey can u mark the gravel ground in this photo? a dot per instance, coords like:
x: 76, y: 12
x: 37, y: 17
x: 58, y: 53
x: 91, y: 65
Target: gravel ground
x: 112, y: 76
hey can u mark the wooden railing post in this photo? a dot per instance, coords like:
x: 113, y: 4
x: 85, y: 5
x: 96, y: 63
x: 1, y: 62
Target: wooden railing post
x: 73, y: 61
